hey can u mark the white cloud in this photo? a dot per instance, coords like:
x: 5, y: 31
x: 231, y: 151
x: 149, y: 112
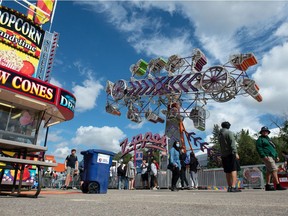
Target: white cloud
x: 61, y: 151
x: 274, y: 132
x: 217, y: 29
x: 87, y: 94
x: 219, y: 47
x: 241, y: 116
x: 136, y: 125
x: 137, y: 25
x: 157, y: 45
x: 270, y: 77
x: 55, y: 82
x: 55, y: 136
x: 106, y: 138
x: 282, y: 31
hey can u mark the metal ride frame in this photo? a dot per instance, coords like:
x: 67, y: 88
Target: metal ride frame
x: 180, y: 88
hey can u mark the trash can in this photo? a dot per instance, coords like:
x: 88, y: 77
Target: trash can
x: 96, y: 170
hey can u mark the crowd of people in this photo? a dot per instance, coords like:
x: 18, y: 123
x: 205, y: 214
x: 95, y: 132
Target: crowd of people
x: 53, y: 179
x: 149, y: 171
x: 71, y: 178
x: 179, y: 161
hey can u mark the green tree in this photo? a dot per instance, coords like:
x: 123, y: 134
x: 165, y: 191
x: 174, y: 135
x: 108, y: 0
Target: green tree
x: 125, y: 159
x: 281, y: 141
x: 247, y: 149
x: 214, y: 160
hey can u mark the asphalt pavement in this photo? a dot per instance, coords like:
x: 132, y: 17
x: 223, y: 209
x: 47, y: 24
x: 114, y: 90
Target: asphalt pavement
x: 147, y: 202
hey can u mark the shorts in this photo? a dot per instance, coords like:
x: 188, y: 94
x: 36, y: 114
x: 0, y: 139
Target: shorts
x: 230, y: 163
x: 270, y: 165
x: 70, y: 171
x: 144, y: 176
x: 81, y: 174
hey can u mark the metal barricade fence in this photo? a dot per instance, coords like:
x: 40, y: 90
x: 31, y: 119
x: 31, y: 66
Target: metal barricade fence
x: 46, y: 181
x: 249, y: 177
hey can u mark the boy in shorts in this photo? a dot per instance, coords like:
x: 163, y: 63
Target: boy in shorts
x: 267, y: 151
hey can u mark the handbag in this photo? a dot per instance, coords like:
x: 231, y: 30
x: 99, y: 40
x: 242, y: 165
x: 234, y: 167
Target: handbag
x: 170, y: 166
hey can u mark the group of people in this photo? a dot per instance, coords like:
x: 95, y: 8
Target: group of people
x: 230, y: 158
x: 152, y: 171
x: 178, y: 163
x: 126, y: 175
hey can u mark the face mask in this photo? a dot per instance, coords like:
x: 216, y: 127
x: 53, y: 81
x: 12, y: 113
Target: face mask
x: 177, y: 145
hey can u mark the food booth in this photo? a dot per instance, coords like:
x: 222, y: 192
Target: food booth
x: 29, y: 104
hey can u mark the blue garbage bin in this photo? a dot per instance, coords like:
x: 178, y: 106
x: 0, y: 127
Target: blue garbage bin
x: 97, y: 165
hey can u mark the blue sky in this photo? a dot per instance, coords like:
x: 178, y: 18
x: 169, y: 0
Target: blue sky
x: 99, y: 40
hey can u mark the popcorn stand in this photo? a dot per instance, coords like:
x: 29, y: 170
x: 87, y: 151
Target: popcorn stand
x: 29, y: 104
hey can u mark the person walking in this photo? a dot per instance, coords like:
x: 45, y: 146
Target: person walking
x: 174, y: 160
x: 229, y: 156
x: 194, y: 165
x: 71, y: 166
x: 144, y: 174
x: 121, y: 176
x: 153, y: 175
x: 267, y: 151
x: 130, y: 173
x: 183, y: 178
x: 285, y: 164
x: 81, y: 172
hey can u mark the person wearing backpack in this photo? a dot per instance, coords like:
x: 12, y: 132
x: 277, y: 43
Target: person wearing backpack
x: 267, y: 151
x: 183, y: 157
x: 121, y: 175
x: 144, y: 174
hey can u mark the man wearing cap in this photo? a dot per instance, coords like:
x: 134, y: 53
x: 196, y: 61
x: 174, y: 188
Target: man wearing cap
x: 267, y: 151
x: 229, y: 156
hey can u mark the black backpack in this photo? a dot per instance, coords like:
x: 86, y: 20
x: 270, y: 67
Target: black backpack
x: 149, y: 167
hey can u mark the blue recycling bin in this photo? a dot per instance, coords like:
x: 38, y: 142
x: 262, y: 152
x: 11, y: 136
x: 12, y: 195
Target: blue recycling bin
x: 97, y: 165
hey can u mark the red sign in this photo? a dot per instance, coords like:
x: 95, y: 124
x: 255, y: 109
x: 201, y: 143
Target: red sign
x: 29, y: 86
x: 147, y: 141
x: 39, y: 90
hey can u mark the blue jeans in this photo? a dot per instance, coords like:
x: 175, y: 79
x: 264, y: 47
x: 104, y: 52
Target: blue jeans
x: 121, y: 182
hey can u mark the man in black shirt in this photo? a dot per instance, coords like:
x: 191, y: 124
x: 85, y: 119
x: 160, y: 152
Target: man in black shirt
x: 71, y: 166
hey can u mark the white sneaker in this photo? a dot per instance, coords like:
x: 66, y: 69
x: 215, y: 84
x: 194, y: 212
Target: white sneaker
x: 74, y: 188
x: 154, y: 188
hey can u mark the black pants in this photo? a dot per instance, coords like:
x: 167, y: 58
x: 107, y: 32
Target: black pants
x: 152, y: 183
x: 183, y: 177
x: 175, y: 176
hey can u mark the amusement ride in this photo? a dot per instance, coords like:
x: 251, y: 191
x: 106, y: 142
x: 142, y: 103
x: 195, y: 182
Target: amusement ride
x: 178, y: 88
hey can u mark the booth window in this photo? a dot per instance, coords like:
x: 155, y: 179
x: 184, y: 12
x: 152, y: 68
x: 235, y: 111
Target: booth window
x: 18, y: 123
